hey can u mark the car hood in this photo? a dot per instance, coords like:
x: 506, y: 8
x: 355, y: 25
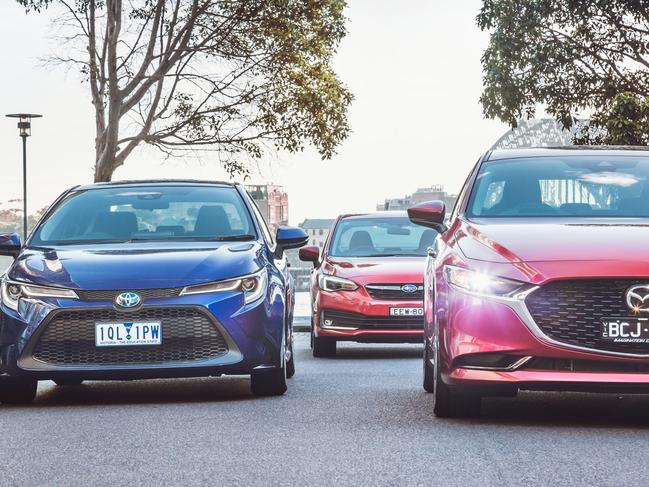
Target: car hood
x: 379, y: 270
x: 136, y: 266
x: 542, y: 248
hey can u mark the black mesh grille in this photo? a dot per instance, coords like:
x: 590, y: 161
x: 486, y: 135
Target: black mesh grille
x: 572, y: 311
x: 394, y: 292
x: 341, y: 318
x: 187, y: 335
x: 110, y: 295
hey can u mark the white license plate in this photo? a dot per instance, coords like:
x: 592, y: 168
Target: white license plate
x: 128, y: 334
x: 407, y: 311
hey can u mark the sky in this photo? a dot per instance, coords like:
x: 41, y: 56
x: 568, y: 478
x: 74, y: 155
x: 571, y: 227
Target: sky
x: 413, y: 66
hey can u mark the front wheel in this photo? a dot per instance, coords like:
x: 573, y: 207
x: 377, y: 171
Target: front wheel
x: 17, y: 390
x: 271, y: 382
x: 290, y: 361
x: 429, y: 372
x: 323, y: 346
x: 448, y: 403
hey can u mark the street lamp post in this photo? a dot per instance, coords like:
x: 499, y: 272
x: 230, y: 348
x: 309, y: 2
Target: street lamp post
x: 25, y: 128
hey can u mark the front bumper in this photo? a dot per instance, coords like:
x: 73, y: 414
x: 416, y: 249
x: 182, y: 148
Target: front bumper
x: 251, y: 334
x: 355, y: 316
x: 493, y: 342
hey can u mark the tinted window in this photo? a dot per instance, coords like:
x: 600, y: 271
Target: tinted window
x: 369, y: 237
x: 147, y: 213
x: 572, y: 186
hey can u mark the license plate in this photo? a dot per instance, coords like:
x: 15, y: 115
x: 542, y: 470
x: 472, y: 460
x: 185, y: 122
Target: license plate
x: 407, y: 311
x: 128, y: 334
x: 625, y: 330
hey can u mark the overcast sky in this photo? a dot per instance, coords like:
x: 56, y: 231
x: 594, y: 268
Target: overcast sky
x: 413, y: 66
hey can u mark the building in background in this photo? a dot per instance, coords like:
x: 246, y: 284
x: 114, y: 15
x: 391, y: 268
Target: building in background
x: 435, y: 192
x: 318, y: 230
x: 272, y: 201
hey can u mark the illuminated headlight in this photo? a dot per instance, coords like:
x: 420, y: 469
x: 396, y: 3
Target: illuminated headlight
x: 480, y: 283
x: 327, y: 282
x: 252, y: 286
x: 14, y: 291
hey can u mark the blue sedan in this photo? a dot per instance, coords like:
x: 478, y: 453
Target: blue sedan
x: 143, y: 280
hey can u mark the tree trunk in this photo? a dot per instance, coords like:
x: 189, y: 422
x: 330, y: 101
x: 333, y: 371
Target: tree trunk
x: 106, y: 151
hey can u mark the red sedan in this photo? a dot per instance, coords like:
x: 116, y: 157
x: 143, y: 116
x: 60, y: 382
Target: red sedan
x: 541, y: 280
x: 367, y: 285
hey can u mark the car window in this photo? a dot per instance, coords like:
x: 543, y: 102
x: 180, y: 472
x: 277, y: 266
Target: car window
x: 572, y: 186
x: 146, y: 213
x: 377, y: 236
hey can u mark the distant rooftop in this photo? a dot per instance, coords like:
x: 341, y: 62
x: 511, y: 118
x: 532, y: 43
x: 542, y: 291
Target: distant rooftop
x: 317, y: 223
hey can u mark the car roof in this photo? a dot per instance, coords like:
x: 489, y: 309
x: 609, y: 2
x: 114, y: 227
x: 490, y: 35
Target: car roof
x: 376, y: 214
x: 153, y: 182
x: 566, y: 151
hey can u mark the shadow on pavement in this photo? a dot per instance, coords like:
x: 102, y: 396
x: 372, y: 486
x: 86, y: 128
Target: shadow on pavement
x: 567, y: 409
x: 159, y: 391
x: 382, y: 351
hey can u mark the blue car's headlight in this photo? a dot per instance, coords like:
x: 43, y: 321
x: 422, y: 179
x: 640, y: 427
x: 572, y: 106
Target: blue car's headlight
x: 253, y: 286
x: 13, y: 291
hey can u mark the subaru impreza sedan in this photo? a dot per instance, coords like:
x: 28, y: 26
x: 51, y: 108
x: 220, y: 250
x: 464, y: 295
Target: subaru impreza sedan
x: 140, y: 280
x: 540, y: 280
x: 367, y: 284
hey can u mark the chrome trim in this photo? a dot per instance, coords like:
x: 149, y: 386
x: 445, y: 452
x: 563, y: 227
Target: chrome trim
x: 517, y: 304
x: 516, y: 365
x: 26, y: 360
x: 395, y: 287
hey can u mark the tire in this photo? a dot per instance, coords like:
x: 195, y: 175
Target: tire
x: 68, y: 382
x: 290, y: 363
x: 447, y: 403
x: 271, y: 382
x: 323, y: 347
x: 429, y: 372
x: 17, y: 390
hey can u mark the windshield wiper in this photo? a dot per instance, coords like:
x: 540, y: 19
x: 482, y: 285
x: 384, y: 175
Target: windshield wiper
x: 235, y: 238
x: 192, y: 238
x: 390, y: 255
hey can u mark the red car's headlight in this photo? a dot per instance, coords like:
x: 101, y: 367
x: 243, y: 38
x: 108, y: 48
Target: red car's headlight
x: 327, y: 282
x: 481, y: 283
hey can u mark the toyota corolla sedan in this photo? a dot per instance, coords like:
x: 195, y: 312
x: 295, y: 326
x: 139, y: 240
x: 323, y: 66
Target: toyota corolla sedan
x: 541, y: 280
x: 367, y: 286
x: 145, y: 280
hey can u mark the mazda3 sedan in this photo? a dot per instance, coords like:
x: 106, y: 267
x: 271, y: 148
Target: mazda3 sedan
x: 541, y: 278
x: 367, y: 286
x: 142, y: 280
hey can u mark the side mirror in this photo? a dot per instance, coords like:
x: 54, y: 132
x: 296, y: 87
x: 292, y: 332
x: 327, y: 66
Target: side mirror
x: 290, y: 238
x: 310, y: 254
x: 10, y: 244
x: 429, y: 214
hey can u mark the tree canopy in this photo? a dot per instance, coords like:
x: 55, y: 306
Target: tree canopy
x: 237, y: 77
x: 574, y: 57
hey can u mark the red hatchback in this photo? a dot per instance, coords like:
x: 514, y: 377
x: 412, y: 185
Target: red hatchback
x: 541, y: 280
x: 367, y: 286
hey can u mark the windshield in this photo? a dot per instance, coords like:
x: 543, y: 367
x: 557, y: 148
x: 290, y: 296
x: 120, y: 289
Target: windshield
x: 376, y: 237
x: 593, y: 186
x: 147, y: 213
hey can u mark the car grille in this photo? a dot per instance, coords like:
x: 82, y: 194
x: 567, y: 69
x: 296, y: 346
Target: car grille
x: 341, y: 318
x: 110, y: 295
x: 188, y: 335
x: 571, y: 312
x: 394, y: 292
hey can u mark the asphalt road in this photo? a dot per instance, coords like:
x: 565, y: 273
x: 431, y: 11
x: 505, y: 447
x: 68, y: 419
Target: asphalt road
x: 359, y: 419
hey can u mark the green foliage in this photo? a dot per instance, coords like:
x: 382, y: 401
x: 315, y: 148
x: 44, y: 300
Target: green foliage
x: 574, y: 57
x: 240, y: 77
